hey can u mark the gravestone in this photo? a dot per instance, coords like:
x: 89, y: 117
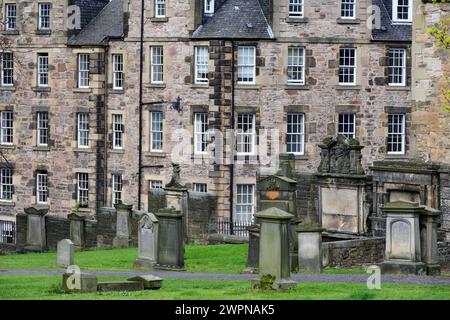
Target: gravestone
x: 36, y: 236
x: 77, y: 227
x: 147, y: 243
x: 429, y: 220
x: 149, y: 281
x: 274, y: 260
x: 170, y: 240
x: 253, y: 249
x: 79, y: 282
x: 403, y: 250
x: 123, y: 225
x: 65, y: 253
x: 310, y: 247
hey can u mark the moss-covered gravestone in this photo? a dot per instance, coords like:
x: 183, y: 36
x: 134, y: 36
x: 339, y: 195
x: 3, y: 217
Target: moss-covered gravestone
x: 123, y: 225
x: 274, y: 260
x: 147, y: 242
x: 36, y: 235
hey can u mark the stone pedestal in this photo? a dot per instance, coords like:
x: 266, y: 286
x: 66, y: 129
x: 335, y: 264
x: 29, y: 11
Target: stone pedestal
x: 123, y: 225
x: 147, y: 243
x: 274, y: 261
x: 310, y: 247
x: 253, y: 249
x: 403, y: 250
x: 36, y: 236
x: 65, y: 253
x: 429, y: 220
x: 80, y: 282
x: 77, y: 227
x: 170, y: 240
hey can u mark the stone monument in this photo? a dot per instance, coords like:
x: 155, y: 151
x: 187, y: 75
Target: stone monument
x: 147, y: 243
x: 343, y: 187
x: 170, y: 240
x: 310, y: 247
x: 77, y: 226
x: 123, y: 225
x: 429, y: 220
x: 65, y: 253
x: 274, y: 261
x: 36, y: 236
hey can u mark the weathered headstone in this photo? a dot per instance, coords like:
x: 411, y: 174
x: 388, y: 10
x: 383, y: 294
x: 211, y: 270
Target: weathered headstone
x: 310, y: 247
x: 429, y: 220
x: 79, y: 282
x: 77, y: 226
x: 253, y: 249
x: 149, y: 281
x: 122, y: 238
x: 36, y: 236
x: 65, y: 253
x: 120, y: 286
x: 403, y: 251
x: 170, y: 240
x: 147, y: 242
x: 274, y: 260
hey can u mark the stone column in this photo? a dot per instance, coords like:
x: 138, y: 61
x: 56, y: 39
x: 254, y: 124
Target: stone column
x: 77, y: 227
x: 274, y: 261
x: 253, y: 249
x: 403, y: 249
x: 147, y: 243
x: 170, y: 240
x: 36, y: 236
x: 310, y: 247
x: 123, y: 225
x: 429, y: 220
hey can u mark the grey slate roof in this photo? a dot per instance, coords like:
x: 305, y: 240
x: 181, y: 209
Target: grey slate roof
x: 389, y: 31
x: 107, y: 24
x: 89, y: 9
x: 242, y: 19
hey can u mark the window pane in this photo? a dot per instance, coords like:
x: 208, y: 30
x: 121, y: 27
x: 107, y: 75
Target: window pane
x: 6, y: 123
x: 347, y: 65
x: 245, y: 203
x: 246, y: 134
x: 396, y: 133
x: 296, y: 8
x: 246, y: 64
x: 156, y: 128
x: 295, y: 134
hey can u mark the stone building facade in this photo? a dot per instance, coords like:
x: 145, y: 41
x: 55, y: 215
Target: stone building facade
x: 313, y: 64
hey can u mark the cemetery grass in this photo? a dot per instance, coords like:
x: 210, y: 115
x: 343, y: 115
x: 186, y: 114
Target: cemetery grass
x: 216, y: 259
x: 37, y: 287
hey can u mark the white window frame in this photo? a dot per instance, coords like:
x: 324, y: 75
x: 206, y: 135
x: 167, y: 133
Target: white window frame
x: 246, y: 65
x: 7, y: 69
x: 83, y: 70
x: 393, y: 67
x: 299, y: 12
x: 201, y: 132
x: 42, y: 187
x: 42, y: 128
x: 347, y: 67
x: 200, y: 187
x: 157, y: 64
x: 156, y: 131
x: 116, y: 188
x: 245, y: 200
x: 201, y: 64
x: 83, y: 130
x: 394, y: 130
x: 296, y: 59
x: 156, y: 184
x: 118, y: 71
x: 209, y: 6
x: 298, y: 135
x: 347, y: 121
x: 6, y: 184
x: 83, y: 189
x: 9, y: 18
x: 160, y: 8
x: 43, y: 70
x: 117, y: 131
x: 395, y: 5
x: 244, y: 137
x: 348, y: 6
x: 47, y: 20
x: 7, y: 128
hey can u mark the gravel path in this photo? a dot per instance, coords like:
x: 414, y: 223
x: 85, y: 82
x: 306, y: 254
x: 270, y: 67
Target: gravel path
x: 326, y: 278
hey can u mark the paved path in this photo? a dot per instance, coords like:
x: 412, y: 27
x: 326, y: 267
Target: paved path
x: 326, y: 278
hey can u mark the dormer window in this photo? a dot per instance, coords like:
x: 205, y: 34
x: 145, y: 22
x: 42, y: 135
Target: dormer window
x: 402, y: 11
x: 209, y: 6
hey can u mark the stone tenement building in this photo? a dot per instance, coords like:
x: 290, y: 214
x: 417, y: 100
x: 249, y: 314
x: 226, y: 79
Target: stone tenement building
x: 73, y: 130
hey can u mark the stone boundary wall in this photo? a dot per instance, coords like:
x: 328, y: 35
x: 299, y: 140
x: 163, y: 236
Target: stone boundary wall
x: 56, y: 229
x: 355, y: 252
x: 202, y: 211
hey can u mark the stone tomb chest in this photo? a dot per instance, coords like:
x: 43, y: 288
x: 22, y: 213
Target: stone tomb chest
x: 343, y: 187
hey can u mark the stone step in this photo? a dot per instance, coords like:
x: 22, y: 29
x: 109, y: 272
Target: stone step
x: 149, y: 281
x: 120, y: 286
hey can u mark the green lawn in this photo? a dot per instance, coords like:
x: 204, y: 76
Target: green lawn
x: 198, y: 259
x: 49, y: 288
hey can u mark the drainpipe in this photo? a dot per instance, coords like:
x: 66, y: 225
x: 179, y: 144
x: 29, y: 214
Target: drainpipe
x: 232, y: 149
x: 105, y: 138
x: 141, y: 71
